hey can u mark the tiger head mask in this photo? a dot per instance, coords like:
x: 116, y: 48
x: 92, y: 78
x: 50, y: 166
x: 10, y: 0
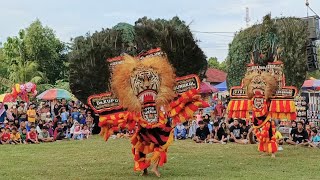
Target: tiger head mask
x: 144, y: 85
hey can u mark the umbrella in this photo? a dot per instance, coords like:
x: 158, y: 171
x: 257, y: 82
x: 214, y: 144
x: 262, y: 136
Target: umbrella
x: 311, y: 84
x: 205, y: 87
x: 52, y: 94
x: 222, y: 86
x: 6, y: 98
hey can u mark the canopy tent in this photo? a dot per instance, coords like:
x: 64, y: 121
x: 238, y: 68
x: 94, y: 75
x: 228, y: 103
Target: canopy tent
x: 313, y: 84
x: 222, y: 86
x: 205, y: 87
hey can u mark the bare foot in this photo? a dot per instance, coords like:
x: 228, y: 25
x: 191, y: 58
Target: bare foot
x: 144, y: 173
x: 273, y: 155
x: 156, y: 171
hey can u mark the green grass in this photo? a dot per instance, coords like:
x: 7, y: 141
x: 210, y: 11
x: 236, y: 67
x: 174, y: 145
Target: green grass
x: 95, y: 159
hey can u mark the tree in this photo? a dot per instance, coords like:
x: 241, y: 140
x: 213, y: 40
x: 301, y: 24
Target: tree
x: 291, y: 34
x: 38, y: 53
x: 88, y: 68
x: 214, y: 63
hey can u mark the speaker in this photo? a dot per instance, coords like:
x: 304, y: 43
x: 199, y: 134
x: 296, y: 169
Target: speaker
x: 312, y: 58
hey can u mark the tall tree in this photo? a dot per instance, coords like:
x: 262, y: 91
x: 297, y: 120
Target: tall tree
x: 214, y: 63
x: 291, y: 34
x: 36, y: 49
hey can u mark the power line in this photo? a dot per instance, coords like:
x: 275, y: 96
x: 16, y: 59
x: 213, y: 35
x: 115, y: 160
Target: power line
x: 213, y: 32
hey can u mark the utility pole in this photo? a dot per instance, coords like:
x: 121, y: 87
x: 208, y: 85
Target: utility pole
x: 247, y: 17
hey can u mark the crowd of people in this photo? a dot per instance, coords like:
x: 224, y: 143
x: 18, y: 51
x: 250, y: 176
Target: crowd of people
x: 217, y: 129
x: 35, y: 122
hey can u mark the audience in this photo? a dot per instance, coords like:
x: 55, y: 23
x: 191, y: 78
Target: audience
x: 298, y: 136
x: 236, y: 133
x: 180, y: 132
x: 315, y: 139
x: 202, y: 133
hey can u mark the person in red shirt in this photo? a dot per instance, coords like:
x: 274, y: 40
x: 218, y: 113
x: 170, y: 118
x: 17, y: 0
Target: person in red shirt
x: 6, y: 137
x: 219, y: 110
x: 32, y: 136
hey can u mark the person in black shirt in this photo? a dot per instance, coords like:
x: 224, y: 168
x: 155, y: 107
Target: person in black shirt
x: 298, y: 135
x: 218, y: 134
x: 236, y: 133
x: 245, y: 128
x: 202, y: 133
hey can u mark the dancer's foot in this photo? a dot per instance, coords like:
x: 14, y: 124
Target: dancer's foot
x: 156, y: 171
x: 144, y: 173
x: 273, y: 155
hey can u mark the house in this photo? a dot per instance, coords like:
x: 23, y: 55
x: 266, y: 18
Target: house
x: 215, y: 76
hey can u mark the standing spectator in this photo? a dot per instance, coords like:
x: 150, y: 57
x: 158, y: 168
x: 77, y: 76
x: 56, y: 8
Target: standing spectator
x: 315, y: 139
x: 64, y: 104
x: 15, y: 136
x: 75, y: 114
x: 48, y: 117
x: 82, y: 117
x: 9, y: 115
x: 31, y: 114
x: 44, y: 135
x: 236, y: 133
x: 202, y: 133
x: 6, y: 137
x: 22, y: 112
x: 32, y: 136
x: 89, y: 121
x: 180, y: 132
x: 3, y: 113
x: 64, y: 114
x: 206, y: 119
x: 56, y: 110
x: 219, y: 111
x: 298, y: 135
x: 14, y: 111
x: 199, y: 116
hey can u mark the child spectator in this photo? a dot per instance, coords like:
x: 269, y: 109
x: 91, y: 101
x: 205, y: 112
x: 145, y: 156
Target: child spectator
x: 180, y: 132
x: 279, y: 139
x: 31, y: 114
x: 85, y: 132
x: 89, y: 121
x: 32, y: 136
x: 23, y: 136
x: 15, y: 136
x: 48, y: 117
x: 82, y: 117
x: 77, y: 135
x: 315, y: 139
x: 199, y: 116
x: 192, y: 129
x: 64, y: 115
x: 58, y: 132
x: 44, y: 135
x: 75, y: 114
x: 39, y: 127
x: 16, y: 123
x: 6, y: 137
x: 50, y: 128
x: 202, y: 133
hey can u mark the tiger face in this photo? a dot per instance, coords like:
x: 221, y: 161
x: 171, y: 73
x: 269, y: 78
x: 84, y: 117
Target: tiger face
x: 145, y: 83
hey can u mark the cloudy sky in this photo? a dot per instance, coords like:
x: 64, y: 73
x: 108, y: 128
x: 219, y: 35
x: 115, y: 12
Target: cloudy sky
x: 71, y: 18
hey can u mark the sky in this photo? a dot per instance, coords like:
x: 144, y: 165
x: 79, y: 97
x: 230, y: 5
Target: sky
x: 71, y: 18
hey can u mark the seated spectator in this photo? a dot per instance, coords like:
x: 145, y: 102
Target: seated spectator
x: 6, y: 137
x: 39, y: 127
x: 245, y: 128
x: 202, y: 133
x: 315, y: 139
x: 279, y: 139
x: 293, y: 126
x: 298, y: 135
x: 48, y: 117
x: 32, y: 136
x: 44, y: 135
x: 58, y: 132
x: 86, y: 132
x: 23, y: 136
x: 180, y: 132
x: 236, y: 133
x: 77, y: 134
x: 215, y: 135
x: 192, y: 128
x: 22, y: 126
x: 16, y: 123
x: 308, y: 129
x: 15, y: 136
x: 75, y: 114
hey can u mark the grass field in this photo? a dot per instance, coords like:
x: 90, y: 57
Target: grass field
x: 95, y: 159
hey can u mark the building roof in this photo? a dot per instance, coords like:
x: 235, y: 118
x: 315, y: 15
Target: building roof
x: 215, y: 75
